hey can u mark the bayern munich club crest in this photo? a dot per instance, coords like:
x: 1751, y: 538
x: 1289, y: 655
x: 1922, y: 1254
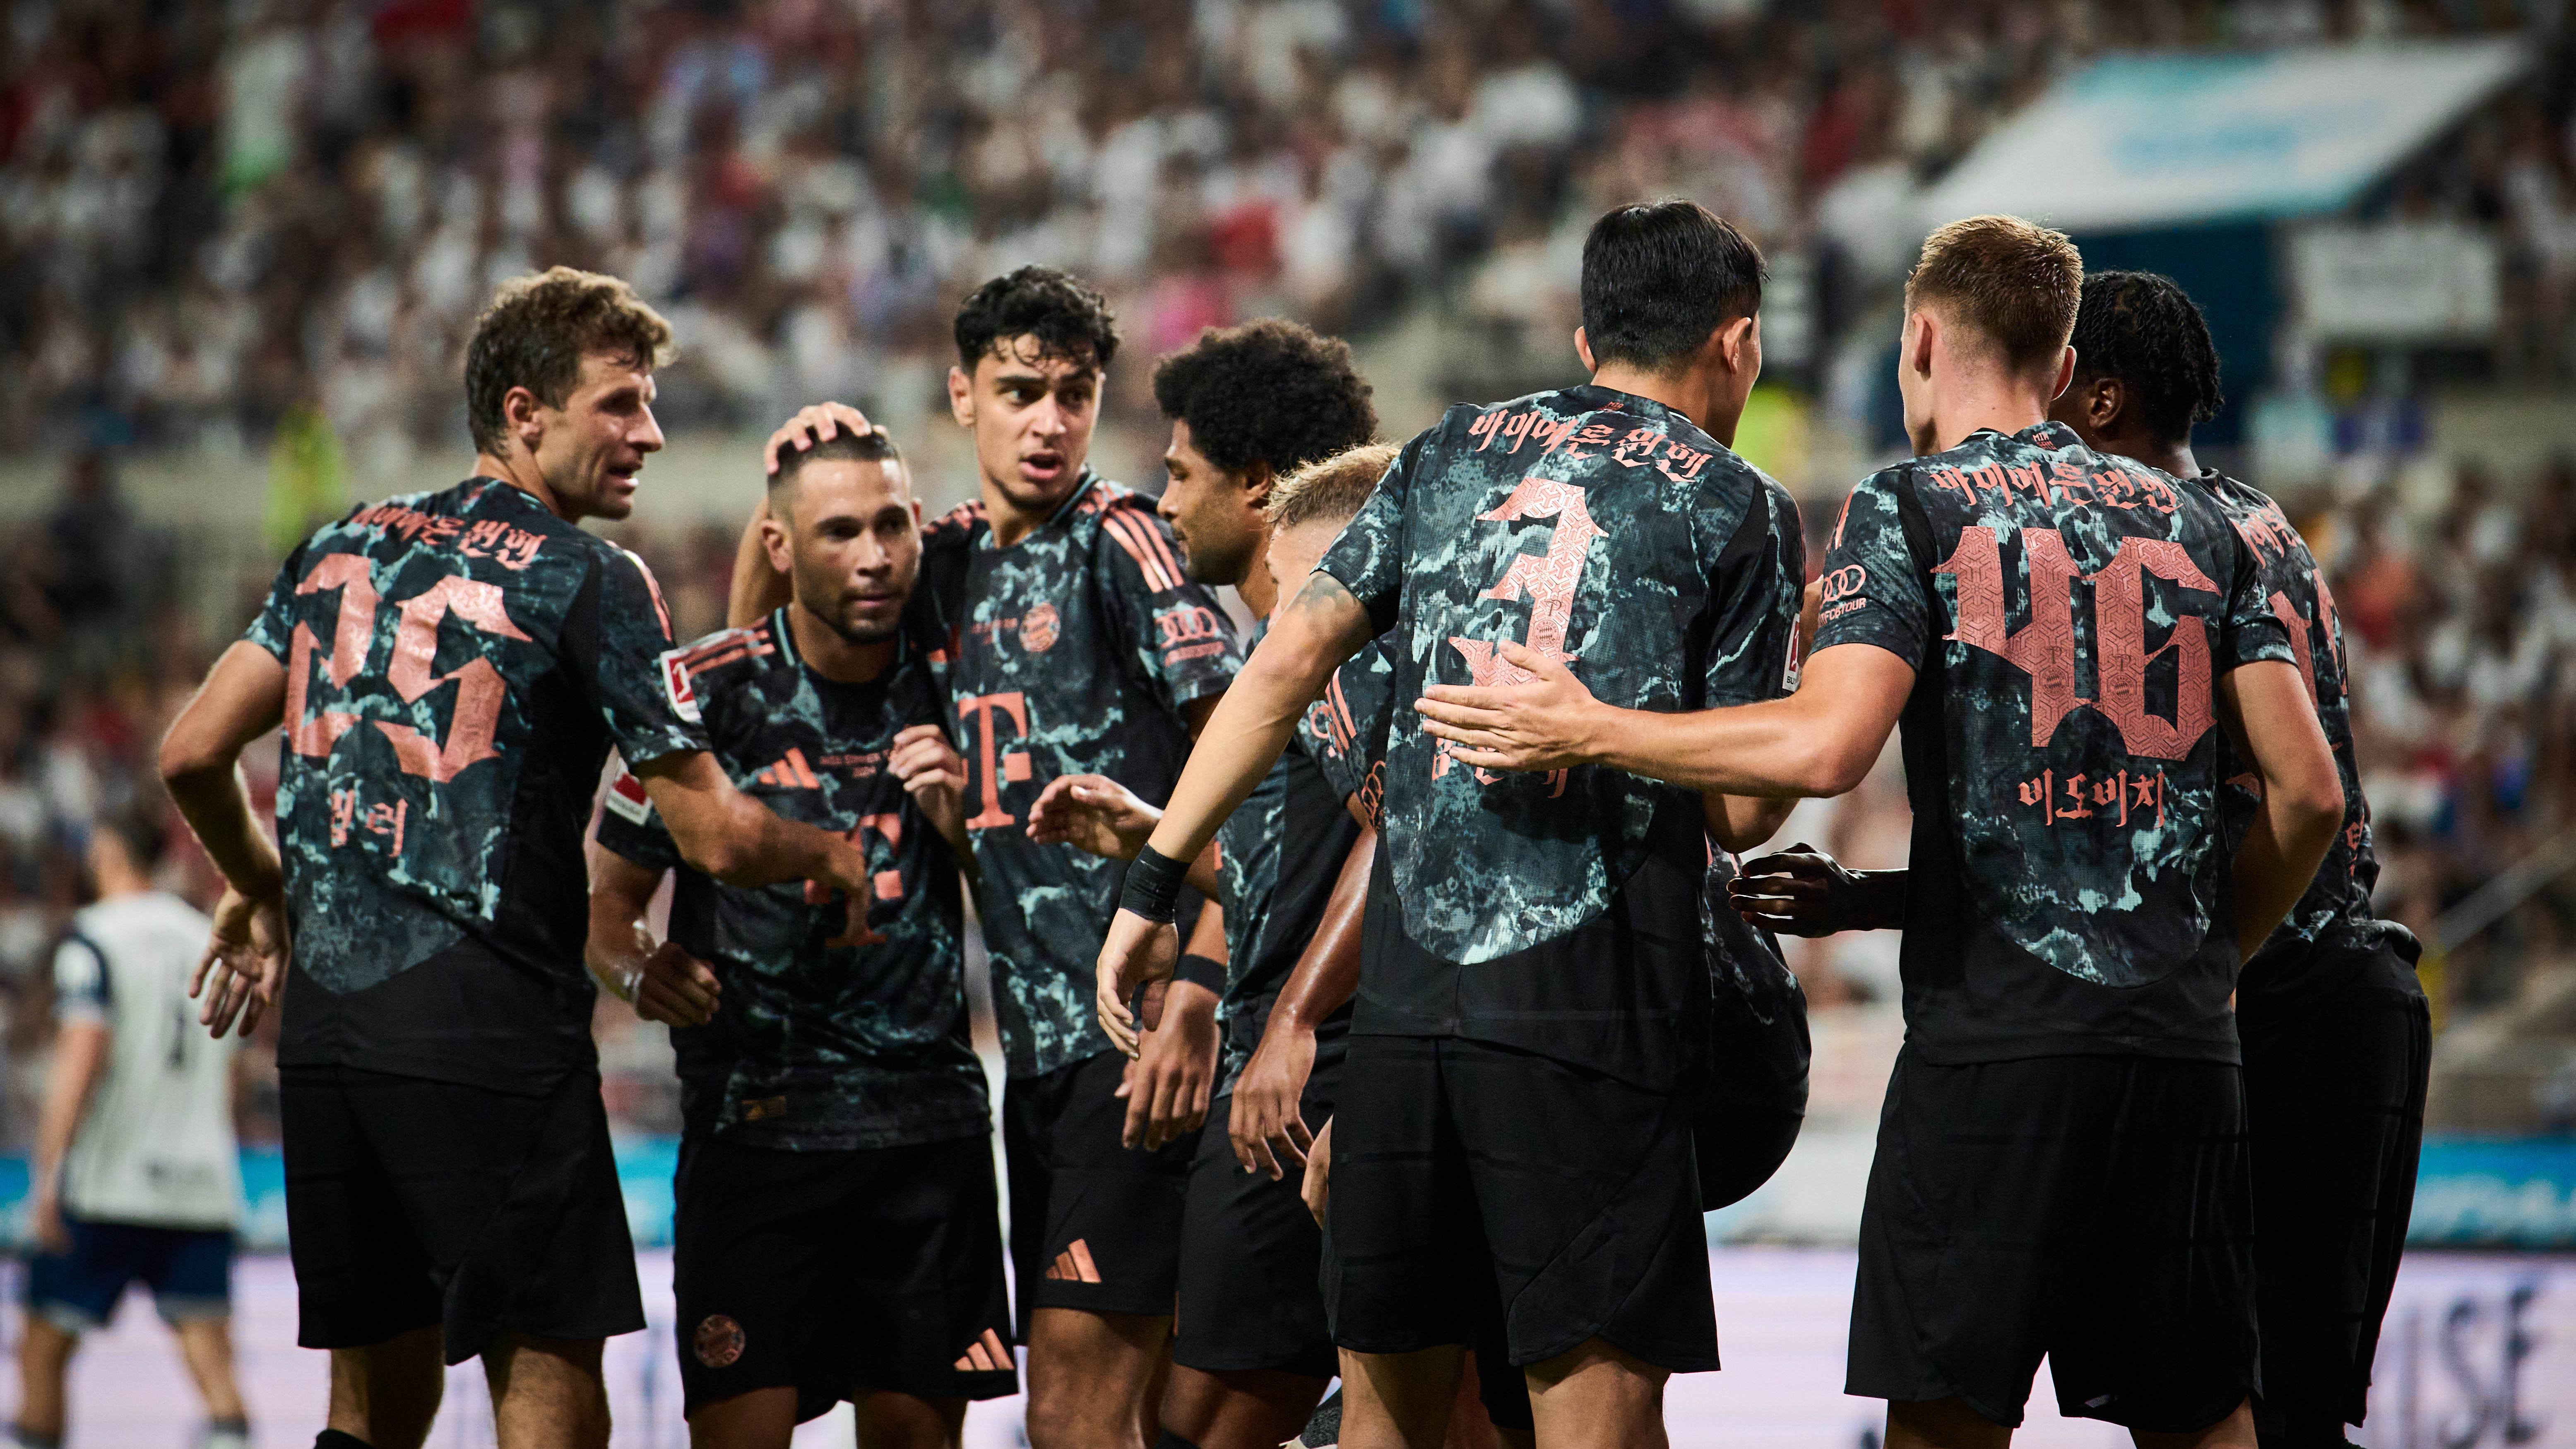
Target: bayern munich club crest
x: 1039, y: 628
x: 718, y: 1342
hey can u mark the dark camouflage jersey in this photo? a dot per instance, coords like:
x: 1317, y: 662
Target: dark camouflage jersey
x: 1606, y: 531
x: 1070, y: 652
x: 1346, y: 730
x: 457, y: 666
x: 832, y: 1032
x: 2331, y: 934
x: 2068, y: 615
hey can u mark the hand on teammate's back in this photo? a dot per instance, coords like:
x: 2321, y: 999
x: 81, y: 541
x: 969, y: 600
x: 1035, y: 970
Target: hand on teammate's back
x: 1542, y: 723
x: 815, y: 423
x: 1268, y: 1131
x: 934, y: 774
x: 1166, y: 1087
x: 244, y: 962
x: 676, y: 988
x: 1093, y: 814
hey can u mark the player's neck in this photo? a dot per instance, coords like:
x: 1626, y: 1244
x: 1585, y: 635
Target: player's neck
x: 843, y: 661
x: 2173, y: 458
x: 1962, y: 405
x: 122, y: 885
x: 1693, y: 392
x: 1259, y: 590
x: 1011, y: 522
x: 521, y: 473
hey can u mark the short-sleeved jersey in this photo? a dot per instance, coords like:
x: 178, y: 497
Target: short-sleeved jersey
x: 1345, y: 731
x: 156, y: 1145
x: 2331, y: 935
x: 2067, y: 615
x: 1608, y: 532
x: 457, y: 666
x: 840, y: 1024
x: 1070, y: 652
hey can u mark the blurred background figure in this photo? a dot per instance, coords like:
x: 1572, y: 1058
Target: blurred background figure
x: 137, y: 1179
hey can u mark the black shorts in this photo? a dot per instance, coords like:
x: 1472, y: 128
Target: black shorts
x: 2096, y: 1210
x: 1095, y: 1226
x: 1249, y: 1255
x: 412, y: 1202
x: 837, y: 1272
x: 2335, y: 1100
x: 1467, y: 1173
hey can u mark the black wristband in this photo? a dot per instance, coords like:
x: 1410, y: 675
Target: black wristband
x: 1154, y: 883
x: 1201, y: 971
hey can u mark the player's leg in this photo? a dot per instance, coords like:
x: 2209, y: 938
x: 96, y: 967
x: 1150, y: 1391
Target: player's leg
x: 44, y: 1356
x: 1942, y: 1424
x: 756, y: 1300
x: 1088, y: 1373
x: 1250, y: 1408
x: 914, y: 1293
x: 2334, y: 1101
x: 2236, y: 1431
x: 890, y: 1420
x: 1399, y: 1400
x: 547, y: 1393
x: 68, y: 1294
x: 191, y: 1277
x: 756, y: 1419
x: 385, y: 1394
x: 1597, y: 1394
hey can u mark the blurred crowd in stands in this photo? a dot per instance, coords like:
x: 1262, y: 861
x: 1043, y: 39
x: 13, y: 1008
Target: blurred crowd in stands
x: 215, y: 212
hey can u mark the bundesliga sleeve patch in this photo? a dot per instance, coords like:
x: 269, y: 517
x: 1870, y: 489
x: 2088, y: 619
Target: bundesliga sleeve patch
x: 627, y: 800
x: 675, y: 683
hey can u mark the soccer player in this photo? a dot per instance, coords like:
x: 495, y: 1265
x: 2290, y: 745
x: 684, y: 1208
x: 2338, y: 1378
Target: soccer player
x: 451, y: 669
x: 1250, y: 406
x: 1532, y: 965
x: 2335, y: 1027
x: 1070, y: 642
x: 2061, y: 1163
x: 136, y: 1175
x: 838, y: 1227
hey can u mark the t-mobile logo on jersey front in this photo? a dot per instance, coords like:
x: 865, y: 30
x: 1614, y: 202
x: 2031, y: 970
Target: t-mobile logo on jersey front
x: 978, y: 712
x: 1547, y: 580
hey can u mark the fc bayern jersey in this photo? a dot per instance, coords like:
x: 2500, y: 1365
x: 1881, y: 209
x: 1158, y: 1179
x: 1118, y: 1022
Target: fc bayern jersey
x: 841, y: 1024
x: 156, y: 1145
x: 1606, y: 532
x: 457, y: 666
x: 1345, y: 731
x: 2332, y: 933
x: 1070, y: 652
x: 2068, y: 615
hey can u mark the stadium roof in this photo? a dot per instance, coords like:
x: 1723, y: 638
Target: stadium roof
x: 2135, y: 142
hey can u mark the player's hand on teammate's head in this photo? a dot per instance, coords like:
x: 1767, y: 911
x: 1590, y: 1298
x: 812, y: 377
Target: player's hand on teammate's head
x: 244, y: 961
x: 1135, y: 953
x: 1541, y: 721
x: 1166, y: 1087
x: 676, y: 988
x: 1800, y: 891
x: 815, y: 423
x: 1317, y: 1189
x: 1093, y: 814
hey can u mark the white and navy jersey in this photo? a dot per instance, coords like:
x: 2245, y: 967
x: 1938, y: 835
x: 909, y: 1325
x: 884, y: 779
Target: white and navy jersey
x: 156, y: 1145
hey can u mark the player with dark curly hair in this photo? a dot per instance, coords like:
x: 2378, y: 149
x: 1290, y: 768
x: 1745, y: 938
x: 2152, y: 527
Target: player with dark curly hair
x: 1070, y: 642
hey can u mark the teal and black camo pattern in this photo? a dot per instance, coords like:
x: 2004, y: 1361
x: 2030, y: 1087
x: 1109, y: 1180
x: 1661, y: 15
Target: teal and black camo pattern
x: 1603, y: 529
x: 2067, y: 614
x: 833, y: 1032
x: 1071, y: 652
x: 1346, y: 730
x: 2333, y: 924
x: 458, y: 665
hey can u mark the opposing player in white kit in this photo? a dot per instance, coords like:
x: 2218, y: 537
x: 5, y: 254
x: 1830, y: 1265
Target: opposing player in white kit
x: 136, y: 1175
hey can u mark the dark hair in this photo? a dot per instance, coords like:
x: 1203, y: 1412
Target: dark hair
x: 138, y: 829
x: 1068, y: 319
x: 2146, y: 331
x: 873, y: 446
x: 1332, y: 489
x: 1270, y: 391
x: 535, y: 334
x: 1659, y: 278
x: 2010, y: 281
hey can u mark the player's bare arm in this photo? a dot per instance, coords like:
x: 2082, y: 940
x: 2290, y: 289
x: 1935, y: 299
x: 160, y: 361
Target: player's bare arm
x: 662, y: 982
x: 1804, y: 891
x: 243, y: 698
x: 2266, y: 707
x: 934, y: 775
x: 1268, y: 1132
x: 80, y: 1060
x: 1250, y: 725
x: 1819, y: 741
x: 1168, y: 1085
x: 1098, y: 816
x: 734, y: 838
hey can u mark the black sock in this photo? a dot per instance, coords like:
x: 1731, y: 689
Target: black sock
x: 1171, y: 1440
x: 29, y: 1439
x: 334, y: 1439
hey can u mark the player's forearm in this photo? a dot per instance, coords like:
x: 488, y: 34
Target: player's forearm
x: 2291, y: 834
x: 216, y: 805
x: 619, y: 940
x: 1328, y: 973
x: 1259, y: 712
x: 244, y: 697
x: 1741, y: 822
x: 80, y: 1050
x: 1782, y: 748
x: 756, y: 588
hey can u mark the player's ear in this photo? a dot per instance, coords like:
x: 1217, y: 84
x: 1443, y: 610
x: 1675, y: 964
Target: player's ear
x: 961, y: 396
x: 523, y: 418
x: 1256, y: 482
x: 2065, y: 372
x: 1921, y: 328
x: 1583, y: 349
x: 774, y: 539
x: 1735, y: 342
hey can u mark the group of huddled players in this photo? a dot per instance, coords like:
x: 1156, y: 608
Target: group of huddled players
x: 1380, y: 999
